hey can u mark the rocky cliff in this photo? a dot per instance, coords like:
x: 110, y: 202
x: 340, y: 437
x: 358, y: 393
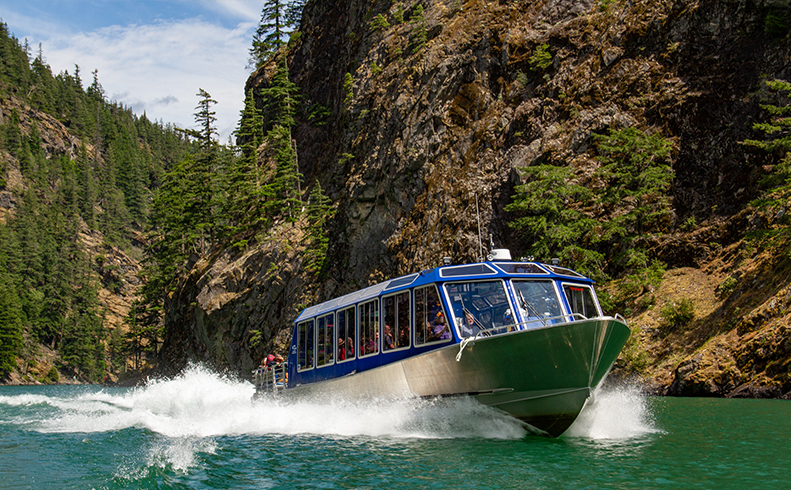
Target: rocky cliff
x: 425, y: 136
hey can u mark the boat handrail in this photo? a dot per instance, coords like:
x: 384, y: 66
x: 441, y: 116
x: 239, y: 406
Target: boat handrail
x: 271, y: 378
x: 620, y: 318
x: 508, y: 328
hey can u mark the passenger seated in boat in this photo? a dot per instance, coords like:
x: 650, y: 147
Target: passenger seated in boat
x: 468, y: 327
x: 440, y: 329
x: 349, y: 347
x: 341, y: 349
x: 388, y: 339
x: 403, y: 337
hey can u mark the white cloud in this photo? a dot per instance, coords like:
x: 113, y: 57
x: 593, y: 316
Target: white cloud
x: 158, y: 68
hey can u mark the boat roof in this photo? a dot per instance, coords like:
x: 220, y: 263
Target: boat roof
x: 478, y: 270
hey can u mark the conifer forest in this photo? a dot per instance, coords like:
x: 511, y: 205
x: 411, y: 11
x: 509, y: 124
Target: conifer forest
x: 644, y: 144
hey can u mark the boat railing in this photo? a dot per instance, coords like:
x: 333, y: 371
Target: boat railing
x: 532, y: 323
x: 516, y: 327
x: 272, y: 378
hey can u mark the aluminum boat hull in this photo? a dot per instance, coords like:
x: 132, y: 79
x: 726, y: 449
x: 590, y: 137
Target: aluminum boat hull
x: 542, y: 376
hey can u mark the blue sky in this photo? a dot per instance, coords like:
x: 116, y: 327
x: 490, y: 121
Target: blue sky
x: 152, y: 55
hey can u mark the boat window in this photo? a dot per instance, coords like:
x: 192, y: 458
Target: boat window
x: 346, y: 334
x: 520, y: 268
x: 467, y: 270
x: 581, y: 300
x: 479, y: 306
x: 396, y: 330
x: 537, y: 300
x: 430, y: 323
x: 369, y: 328
x: 305, y: 345
x: 325, y: 349
x: 402, y: 281
x: 563, y: 271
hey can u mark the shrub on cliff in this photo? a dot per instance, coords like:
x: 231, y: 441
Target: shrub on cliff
x: 677, y: 314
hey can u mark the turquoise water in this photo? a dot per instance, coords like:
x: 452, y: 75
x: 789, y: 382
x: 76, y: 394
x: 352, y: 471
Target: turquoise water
x: 201, y: 430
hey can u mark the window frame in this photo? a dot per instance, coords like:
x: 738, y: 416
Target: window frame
x: 398, y: 317
x: 331, y: 316
x: 353, y: 327
x: 538, y: 323
x: 415, y: 314
x: 312, y: 326
x: 375, y: 328
x: 506, y: 291
x: 592, y: 293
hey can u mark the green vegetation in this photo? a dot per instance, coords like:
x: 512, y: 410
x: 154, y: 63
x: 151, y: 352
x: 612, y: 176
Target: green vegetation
x: 521, y: 79
x: 541, y: 59
x: 776, y: 23
x: 595, y: 229
x: 778, y: 130
x: 550, y: 223
x: 637, y: 175
x: 678, y: 314
x: 379, y: 22
x: 49, y: 284
x: 319, y: 211
x: 398, y: 15
x: 278, y: 19
x: 727, y: 287
x: 348, y: 89
x: 419, y: 36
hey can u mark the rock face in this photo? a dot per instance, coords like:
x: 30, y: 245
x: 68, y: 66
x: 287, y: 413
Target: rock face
x: 427, y: 141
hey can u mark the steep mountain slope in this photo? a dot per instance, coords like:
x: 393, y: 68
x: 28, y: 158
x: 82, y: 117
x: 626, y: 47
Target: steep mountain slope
x: 431, y: 115
x: 76, y: 179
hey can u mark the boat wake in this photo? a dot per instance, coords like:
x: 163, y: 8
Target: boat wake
x: 201, y: 403
x: 188, y: 412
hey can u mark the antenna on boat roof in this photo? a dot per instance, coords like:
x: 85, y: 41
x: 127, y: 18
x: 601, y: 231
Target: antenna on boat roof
x: 480, y: 244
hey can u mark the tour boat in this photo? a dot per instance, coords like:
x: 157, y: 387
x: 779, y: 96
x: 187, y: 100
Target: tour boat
x: 527, y: 338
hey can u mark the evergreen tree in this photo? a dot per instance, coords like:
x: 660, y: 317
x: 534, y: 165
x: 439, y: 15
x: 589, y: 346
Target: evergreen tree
x: 10, y: 326
x: 205, y: 118
x: 777, y: 139
x: 637, y: 176
x: 548, y: 213
x: 294, y: 12
x: 271, y: 31
x: 280, y: 99
x: 319, y: 211
x: 778, y: 130
x: 246, y: 184
x: 419, y: 36
x: 286, y: 183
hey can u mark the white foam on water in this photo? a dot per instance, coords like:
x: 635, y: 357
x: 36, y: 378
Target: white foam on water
x: 201, y: 403
x: 615, y: 414
x: 190, y: 410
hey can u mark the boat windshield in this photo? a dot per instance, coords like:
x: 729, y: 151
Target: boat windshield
x: 538, y: 302
x: 581, y: 300
x: 480, y: 305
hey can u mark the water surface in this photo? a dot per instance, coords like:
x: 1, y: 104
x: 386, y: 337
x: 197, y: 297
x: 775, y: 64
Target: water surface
x: 202, y: 430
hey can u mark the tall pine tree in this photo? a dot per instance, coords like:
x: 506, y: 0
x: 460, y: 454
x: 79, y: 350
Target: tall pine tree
x: 271, y: 32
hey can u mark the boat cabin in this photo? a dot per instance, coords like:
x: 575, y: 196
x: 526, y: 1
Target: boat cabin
x: 413, y: 314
